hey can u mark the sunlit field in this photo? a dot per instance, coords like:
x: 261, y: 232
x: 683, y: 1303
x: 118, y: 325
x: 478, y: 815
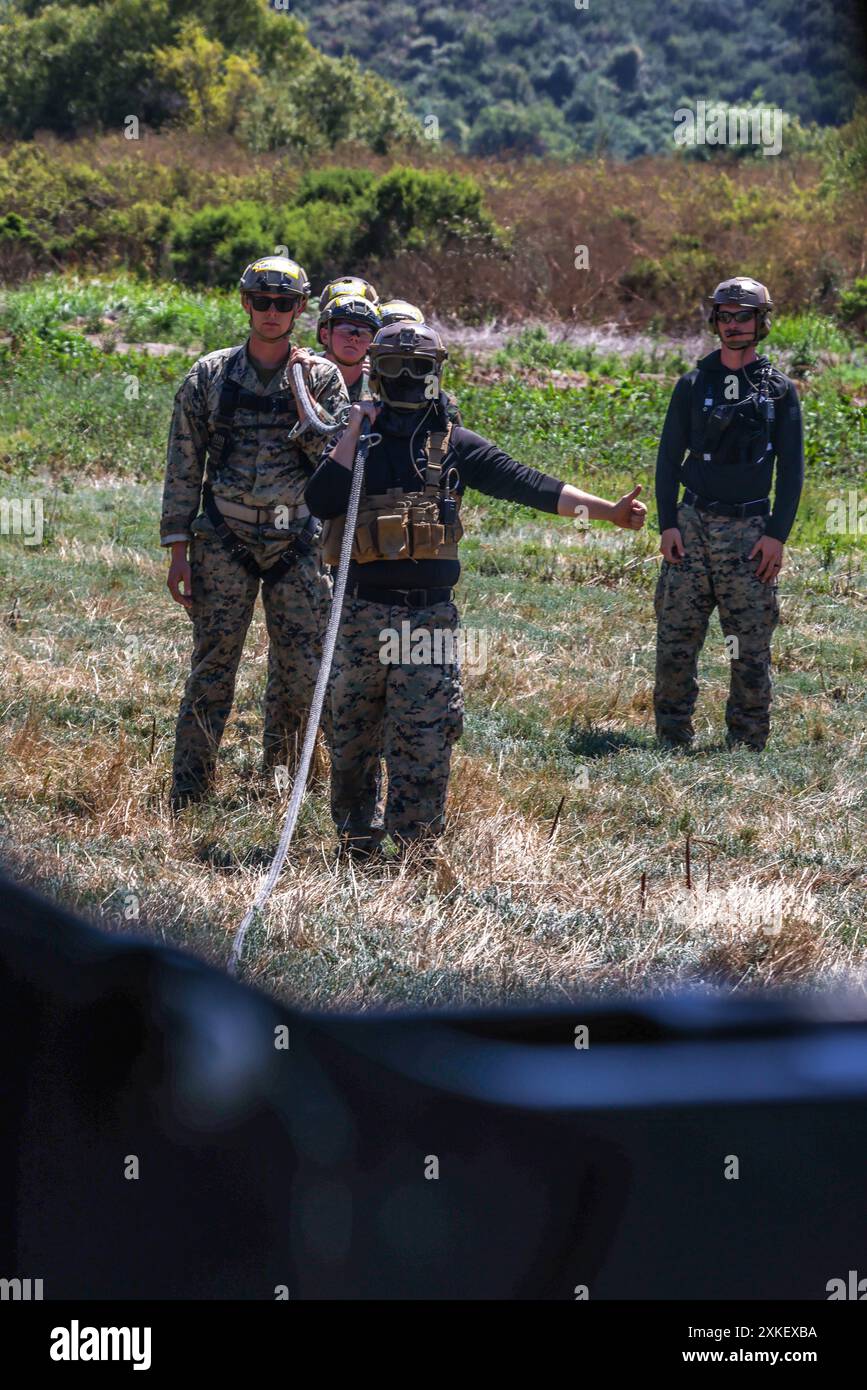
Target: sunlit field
x: 577, y: 854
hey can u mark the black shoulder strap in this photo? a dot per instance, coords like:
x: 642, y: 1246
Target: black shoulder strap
x: 230, y: 391
x: 701, y: 404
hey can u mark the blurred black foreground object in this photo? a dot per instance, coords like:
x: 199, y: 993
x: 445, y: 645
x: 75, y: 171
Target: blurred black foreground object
x: 305, y: 1167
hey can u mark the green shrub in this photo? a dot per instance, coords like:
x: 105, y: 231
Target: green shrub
x: 680, y: 276
x: 209, y: 247
x: 327, y: 101
x: 354, y: 217
x: 844, y: 156
x: 853, y: 304
x: 414, y: 209
x: 322, y: 236
x: 336, y: 185
x: 14, y: 229
x: 515, y: 128
x: 624, y: 66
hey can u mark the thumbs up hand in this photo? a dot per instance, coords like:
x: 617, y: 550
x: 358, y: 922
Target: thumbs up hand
x: 627, y: 512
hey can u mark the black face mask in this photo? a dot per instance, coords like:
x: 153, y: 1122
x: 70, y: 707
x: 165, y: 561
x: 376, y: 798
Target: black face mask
x: 404, y: 423
x: 405, y: 388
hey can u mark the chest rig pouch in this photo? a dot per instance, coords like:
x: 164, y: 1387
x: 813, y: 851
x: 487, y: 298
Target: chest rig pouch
x: 403, y: 525
x: 734, y: 432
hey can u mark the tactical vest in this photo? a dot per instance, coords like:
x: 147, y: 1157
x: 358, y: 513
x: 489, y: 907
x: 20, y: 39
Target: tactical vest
x: 736, y: 432
x: 274, y: 411
x: 403, y: 525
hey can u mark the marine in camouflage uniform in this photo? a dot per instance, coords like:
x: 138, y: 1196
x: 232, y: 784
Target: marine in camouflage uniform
x: 388, y: 707
x: 256, y: 478
x: 734, y: 417
x: 348, y: 320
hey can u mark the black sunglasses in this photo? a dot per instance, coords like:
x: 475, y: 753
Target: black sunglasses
x: 742, y: 316
x: 284, y: 304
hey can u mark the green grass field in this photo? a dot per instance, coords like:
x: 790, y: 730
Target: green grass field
x: 95, y: 653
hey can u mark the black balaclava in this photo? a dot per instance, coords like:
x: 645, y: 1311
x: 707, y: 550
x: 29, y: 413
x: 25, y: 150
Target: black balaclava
x: 406, y: 422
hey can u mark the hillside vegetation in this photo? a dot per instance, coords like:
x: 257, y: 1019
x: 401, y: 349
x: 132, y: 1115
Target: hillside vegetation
x: 212, y: 66
x: 556, y: 79
x: 606, y: 78
x: 469, y: 238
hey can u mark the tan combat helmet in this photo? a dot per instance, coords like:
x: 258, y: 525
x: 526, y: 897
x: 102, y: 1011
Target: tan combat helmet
x: 404, y: 359
x: 744, y: 292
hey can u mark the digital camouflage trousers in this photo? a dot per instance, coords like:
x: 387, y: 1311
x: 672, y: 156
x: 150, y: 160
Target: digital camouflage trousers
x: 395, y: 712
x: 715, y: 572
x: 224, y: 597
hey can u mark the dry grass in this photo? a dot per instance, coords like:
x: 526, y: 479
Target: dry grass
x: 504, y: 908
x: 563, y: 866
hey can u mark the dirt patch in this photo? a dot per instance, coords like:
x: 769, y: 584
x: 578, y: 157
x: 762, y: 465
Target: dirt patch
x: 562, y: 378
x: 107, y: 341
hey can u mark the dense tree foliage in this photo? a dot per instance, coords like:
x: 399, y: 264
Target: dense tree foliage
x: 608, y: 77
x: 214, y: 66
x: 516, y: 78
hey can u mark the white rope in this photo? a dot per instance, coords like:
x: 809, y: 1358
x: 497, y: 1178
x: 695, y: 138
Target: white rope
x: 329, y: 643
x: 311, y: 416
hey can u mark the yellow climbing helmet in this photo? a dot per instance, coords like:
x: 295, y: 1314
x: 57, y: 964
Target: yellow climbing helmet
x: 347, y: 284
x: 399, y: 311
x: 277, y: 275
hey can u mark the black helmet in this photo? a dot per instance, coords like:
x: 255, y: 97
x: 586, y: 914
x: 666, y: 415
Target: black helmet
x: 277, y: 274
x: 747, y: 293
x: 350, y: 308
x: 404, y: 357
x: 399, y: 311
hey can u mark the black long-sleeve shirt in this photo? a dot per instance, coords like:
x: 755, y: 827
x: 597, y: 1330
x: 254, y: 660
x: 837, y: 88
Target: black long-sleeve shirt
x: 478, y: 463
x: 731, y: 481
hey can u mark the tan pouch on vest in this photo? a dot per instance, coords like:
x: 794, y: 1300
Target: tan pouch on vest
x: 363, y: 548
x: 427, y: 540
x: 332, y: 537
x: 391, y: 536
x: 424, y: 518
